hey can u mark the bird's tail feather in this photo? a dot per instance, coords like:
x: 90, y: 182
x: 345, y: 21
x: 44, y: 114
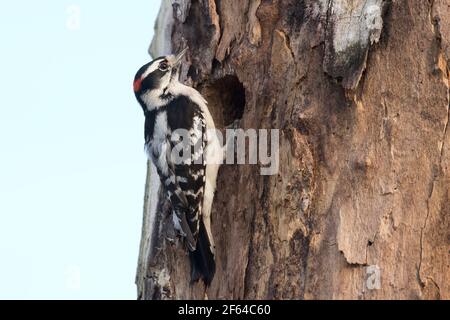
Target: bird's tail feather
x: 203, y: 265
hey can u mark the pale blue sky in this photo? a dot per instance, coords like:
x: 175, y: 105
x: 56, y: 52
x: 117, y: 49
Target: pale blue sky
x: 72, y: 165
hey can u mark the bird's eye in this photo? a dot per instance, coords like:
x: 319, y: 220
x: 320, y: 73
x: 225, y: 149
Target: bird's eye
x: 163, y: 66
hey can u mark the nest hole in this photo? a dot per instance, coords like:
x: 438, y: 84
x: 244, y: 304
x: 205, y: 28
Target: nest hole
x: 226, y: 100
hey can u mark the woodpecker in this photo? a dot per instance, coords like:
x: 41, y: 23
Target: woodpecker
x: 170, y: 106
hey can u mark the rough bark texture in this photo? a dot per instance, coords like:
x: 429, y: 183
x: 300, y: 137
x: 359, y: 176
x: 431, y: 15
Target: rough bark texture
x: 360, y: 92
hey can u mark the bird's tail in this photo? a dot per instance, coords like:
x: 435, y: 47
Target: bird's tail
x: 203, y: 265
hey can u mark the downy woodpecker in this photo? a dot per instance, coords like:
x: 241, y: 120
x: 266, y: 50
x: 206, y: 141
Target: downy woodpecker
x: 189, y: 184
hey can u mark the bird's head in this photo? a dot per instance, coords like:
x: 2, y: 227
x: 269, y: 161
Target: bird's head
x: 158, y: 74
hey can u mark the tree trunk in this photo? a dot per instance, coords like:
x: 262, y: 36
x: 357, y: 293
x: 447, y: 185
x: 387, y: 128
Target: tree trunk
x: 360, y: 206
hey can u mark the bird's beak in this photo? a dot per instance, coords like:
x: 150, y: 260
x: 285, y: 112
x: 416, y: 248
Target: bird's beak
x: 179, y: 57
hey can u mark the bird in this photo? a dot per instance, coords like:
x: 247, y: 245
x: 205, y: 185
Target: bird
x: 177, y: 118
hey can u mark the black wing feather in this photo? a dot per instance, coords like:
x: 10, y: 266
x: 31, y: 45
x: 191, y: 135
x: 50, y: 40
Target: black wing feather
x: 184, y: 182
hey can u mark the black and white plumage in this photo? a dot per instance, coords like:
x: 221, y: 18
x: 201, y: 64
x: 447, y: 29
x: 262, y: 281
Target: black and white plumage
x: 190, y: 182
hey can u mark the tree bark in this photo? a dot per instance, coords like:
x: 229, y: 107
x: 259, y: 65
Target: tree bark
x: 360, y: 206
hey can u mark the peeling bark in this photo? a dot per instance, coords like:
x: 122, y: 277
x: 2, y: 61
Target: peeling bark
x: 360, y: 92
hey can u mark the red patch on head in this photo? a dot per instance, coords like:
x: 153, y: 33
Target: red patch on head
x: 137, y: 85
